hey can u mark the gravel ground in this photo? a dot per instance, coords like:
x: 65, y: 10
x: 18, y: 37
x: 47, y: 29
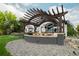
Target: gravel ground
x: 23, y: 48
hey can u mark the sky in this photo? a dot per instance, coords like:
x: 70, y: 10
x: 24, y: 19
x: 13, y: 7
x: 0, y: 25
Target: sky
x: 20, y: 8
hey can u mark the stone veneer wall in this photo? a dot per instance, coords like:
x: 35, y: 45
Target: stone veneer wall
x: 46, y: 40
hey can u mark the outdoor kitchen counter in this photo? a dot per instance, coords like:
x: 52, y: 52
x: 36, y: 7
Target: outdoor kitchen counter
x: 44, y: 35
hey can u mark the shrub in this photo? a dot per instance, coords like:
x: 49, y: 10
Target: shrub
x: 77, y: 29
x: 8, y: 23
x: 70, y: 30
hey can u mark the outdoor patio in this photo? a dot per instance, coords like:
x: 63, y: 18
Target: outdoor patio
x: 22, y: 47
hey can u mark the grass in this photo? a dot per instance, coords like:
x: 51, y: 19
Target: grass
x: 4, y: 39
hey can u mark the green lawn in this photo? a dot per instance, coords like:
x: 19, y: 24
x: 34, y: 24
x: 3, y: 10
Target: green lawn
x: 4, y: 39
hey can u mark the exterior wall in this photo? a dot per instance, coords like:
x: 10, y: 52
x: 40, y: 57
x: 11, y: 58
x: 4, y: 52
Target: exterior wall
x: 46, y: 40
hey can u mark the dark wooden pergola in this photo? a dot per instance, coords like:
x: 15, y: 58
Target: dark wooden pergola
x: 37, y: 16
